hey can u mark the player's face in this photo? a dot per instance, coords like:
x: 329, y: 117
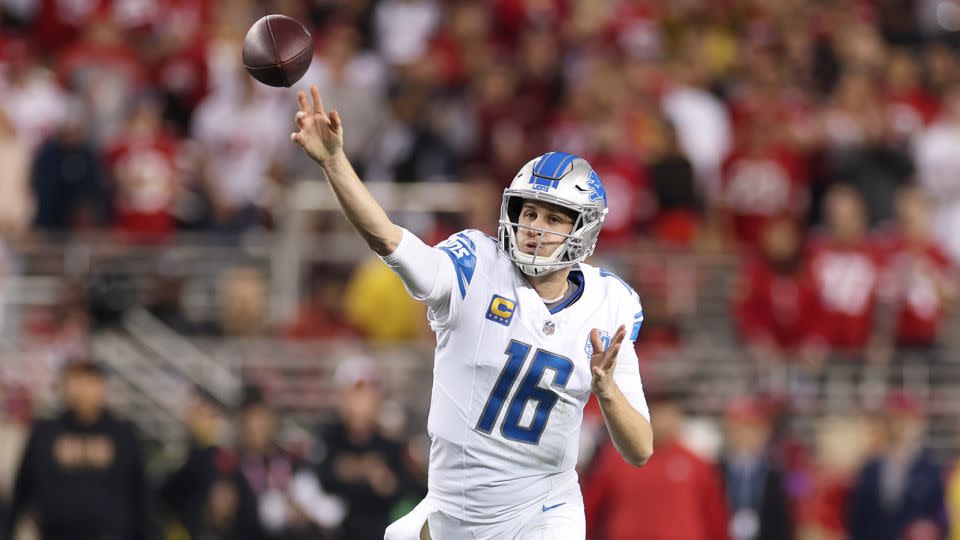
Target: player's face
x: 536, y: 215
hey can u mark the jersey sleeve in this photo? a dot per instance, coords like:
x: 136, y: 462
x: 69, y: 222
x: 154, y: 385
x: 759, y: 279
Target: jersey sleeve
x: 425, y: 271
x: 438, y: 276
x: 626, y: 373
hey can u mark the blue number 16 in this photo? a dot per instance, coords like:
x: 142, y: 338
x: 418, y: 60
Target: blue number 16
x: 527, y: 391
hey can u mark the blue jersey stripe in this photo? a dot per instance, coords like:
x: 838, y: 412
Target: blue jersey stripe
x: 637, y: 323
x: 456, y: 269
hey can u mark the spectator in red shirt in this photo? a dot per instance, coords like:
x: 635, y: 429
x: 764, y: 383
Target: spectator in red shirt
x: 174, y: 44
x: 624, y: 179
x: 776, y: 305
x: 677, y: 494
x: 454, y: 44
x: 58, y: 22
x: 514, y: 16
x: 917, y: 281
x: 840, y: 445
x: 322, y: 315
x: 146, y: 176
x: 760, y: 181
x: 846, y: 269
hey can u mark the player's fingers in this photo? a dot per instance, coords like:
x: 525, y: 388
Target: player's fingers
x: 302, y: 101
x: 317, y: 100
x: 295, y: 137
x: 335, y: 120
x: 595, y: 340
x: 611, y: 357
x: 618, y: 336
x: 300, y: 118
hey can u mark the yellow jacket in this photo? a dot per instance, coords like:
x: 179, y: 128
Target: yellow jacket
x: 378, y: 304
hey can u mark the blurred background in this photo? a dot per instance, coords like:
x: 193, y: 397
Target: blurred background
x: 784, y: 178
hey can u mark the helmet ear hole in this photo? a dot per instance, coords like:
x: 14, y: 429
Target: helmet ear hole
x: 514, y: 205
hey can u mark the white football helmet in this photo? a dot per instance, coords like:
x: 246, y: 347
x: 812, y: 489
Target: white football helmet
x: 564, y: 180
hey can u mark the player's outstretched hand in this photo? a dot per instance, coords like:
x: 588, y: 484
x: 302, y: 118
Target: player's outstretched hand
x: 603, y: 361
x: 319, y: 134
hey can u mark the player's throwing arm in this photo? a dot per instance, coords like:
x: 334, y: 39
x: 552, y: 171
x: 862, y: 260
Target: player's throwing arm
x: 321, y: 136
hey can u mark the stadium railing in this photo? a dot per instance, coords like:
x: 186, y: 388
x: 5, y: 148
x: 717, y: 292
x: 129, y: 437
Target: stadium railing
x: 154, y: 366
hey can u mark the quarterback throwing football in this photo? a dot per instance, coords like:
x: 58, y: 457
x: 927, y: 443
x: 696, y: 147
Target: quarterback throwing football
x: 525, y: 332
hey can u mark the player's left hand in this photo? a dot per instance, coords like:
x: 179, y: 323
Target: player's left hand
x: 603, y: 361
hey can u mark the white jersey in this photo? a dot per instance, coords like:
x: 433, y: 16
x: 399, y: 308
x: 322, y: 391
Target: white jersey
x: 511, y: 377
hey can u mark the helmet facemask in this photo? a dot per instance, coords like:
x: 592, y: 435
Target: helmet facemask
x: 571, y: 251
x: 565, y: 181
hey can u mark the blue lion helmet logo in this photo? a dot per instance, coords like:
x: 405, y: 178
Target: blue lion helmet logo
x: 594, y: 183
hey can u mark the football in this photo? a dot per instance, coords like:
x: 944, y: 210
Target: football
x: 277, y: 50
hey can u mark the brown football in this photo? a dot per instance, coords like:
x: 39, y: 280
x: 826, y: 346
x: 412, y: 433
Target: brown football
x: 277, y: 50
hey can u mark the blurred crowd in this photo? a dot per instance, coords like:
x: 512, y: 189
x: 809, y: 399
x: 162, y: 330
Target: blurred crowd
x: 744, y: 108
x: 864, y: 475
x: 812, y: 141
x: 716, y: 126
x: 81, y: 472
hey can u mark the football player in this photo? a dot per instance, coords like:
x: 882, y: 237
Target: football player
x: 525, y: 332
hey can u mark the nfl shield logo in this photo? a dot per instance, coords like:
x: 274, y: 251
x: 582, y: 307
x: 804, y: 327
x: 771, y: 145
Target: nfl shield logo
x: 549, y: 327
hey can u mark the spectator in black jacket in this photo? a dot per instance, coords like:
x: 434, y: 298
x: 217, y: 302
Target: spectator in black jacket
x: 67, y: 178
x: 208, y: 494
x: 755, y: 486
x: 82, y: 473
x: 357, y: 462
x: 291, y: 505
x: 900, y: 493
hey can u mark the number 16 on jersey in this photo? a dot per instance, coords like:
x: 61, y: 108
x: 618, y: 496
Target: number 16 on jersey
x: 529, y: 390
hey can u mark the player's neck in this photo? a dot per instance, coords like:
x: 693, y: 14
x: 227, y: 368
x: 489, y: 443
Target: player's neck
x: 552, y: 285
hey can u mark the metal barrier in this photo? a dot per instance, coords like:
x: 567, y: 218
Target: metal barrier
x: 152, y: 372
